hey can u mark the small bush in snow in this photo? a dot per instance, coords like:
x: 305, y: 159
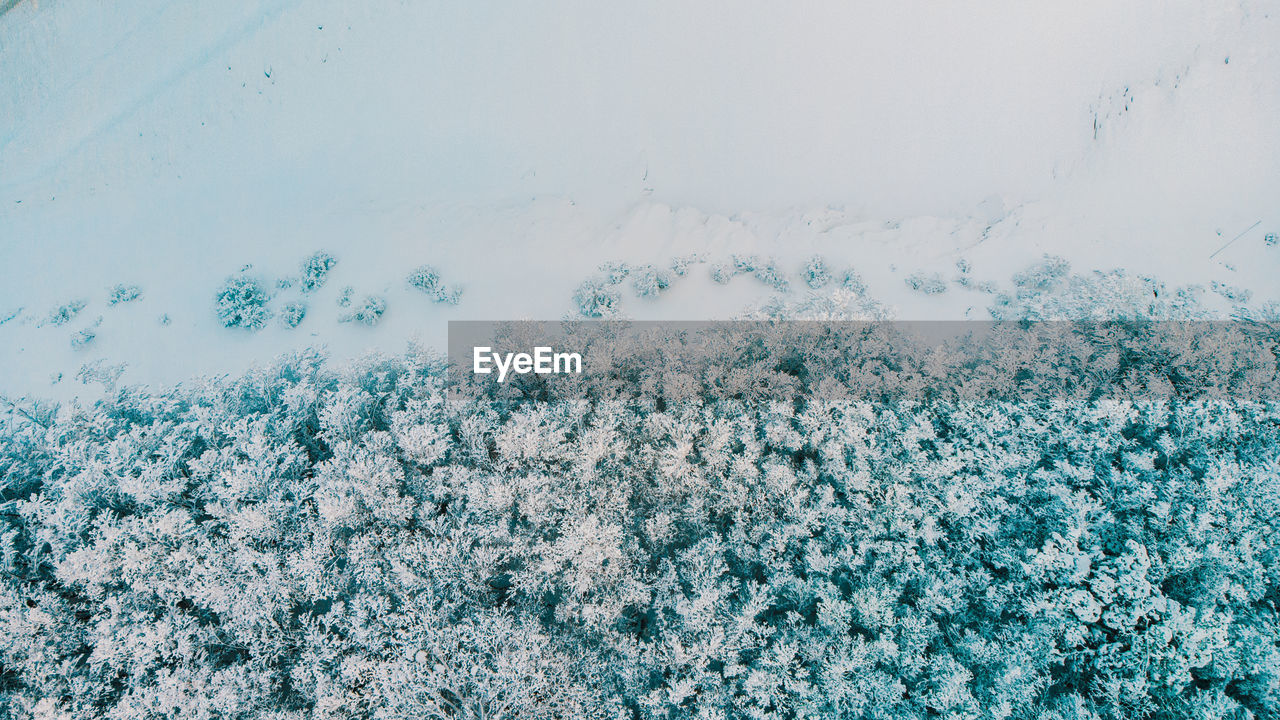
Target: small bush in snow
x: 242, y: 302
x: 292, y: 314
x: 744, y: 264
x: 680, y: 265
x: 1044, y: 275
x: 83, y: 338
x: 427, y: 279
x: 315, y: 271
x: 649, y: 281
x: 927, y: 284
x: 771, y: 275
x: 368, y: 311
x: 852, y: 282
x: 123, y: 294
x: 64, y: 314
x: 721, y: 274
x: 164, y: 319
x: 595, y: 299
x: 816, y: 274
x: 615, y: 272
x: 102, y: 372
x: 1231, y: 292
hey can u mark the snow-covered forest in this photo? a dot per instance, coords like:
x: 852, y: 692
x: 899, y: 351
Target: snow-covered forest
x: 298, y: 543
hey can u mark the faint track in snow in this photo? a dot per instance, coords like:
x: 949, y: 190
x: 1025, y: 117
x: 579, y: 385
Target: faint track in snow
x: 135, y: 51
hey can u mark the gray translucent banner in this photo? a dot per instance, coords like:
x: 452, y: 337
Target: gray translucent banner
x: 672, y: 362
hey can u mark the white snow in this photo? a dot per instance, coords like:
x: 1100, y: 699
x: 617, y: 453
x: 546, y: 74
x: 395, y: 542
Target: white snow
x: 518, y: 146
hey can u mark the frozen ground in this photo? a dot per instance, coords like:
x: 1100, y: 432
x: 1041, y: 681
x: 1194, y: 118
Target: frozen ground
x: 169, y: 144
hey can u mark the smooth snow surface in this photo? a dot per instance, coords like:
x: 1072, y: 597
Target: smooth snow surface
x: 516, y: 147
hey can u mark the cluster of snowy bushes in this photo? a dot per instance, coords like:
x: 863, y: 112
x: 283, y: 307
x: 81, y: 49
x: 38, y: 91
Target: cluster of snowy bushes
x: 300, y: 543
x: 598, y: 296
x: 1049, y: 290
x: 244, y: 300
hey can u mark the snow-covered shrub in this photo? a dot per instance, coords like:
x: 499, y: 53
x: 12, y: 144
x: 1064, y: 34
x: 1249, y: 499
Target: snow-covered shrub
x: 649, y: 281
x: 852, y: 282
x: 102, y: 373
x: 242, y: 302
x: 292, y: 314
x: 1043, y: 276
x: 367, y: 311
x: 615, y: 272
x: 164, y: 319
x: 1232, y: 293
x: 427, y: 279
x: 123, y: 294
x: 766, y: 271
x: 65, y: 313
x: 745, y: 264
x: 597, y: 299
x: 83, y: 338
x: 931, y: 284
x: 315, y: 271
x: 816, y: 273
x: 770, y: 274
x: 680, y: 264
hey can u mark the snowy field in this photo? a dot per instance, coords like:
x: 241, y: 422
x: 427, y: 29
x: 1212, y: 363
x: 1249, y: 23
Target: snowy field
x: 162, y: 147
